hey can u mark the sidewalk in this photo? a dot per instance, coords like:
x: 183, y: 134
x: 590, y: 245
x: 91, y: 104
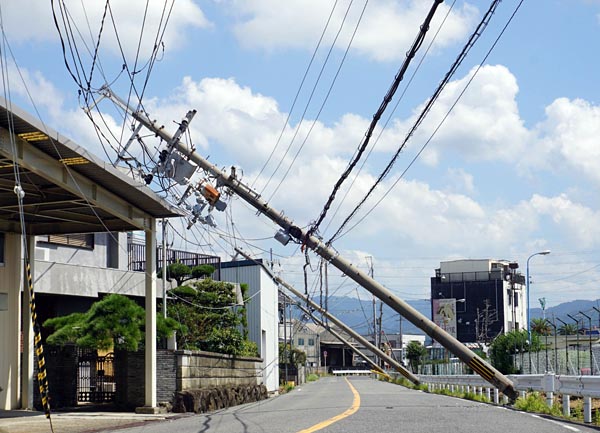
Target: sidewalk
x: 22, y: 421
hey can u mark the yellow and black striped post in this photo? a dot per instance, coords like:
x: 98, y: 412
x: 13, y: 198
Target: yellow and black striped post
x: 39, y: 349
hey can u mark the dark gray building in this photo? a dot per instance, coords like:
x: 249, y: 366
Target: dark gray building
x: 475, y: 300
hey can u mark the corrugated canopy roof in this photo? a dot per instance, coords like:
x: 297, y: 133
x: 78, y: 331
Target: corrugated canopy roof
x: 67, y: 189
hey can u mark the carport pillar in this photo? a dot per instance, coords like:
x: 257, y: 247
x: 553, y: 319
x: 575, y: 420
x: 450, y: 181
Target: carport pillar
x: 150, y: 354
x: 27, y: 330
x: 11, y: 275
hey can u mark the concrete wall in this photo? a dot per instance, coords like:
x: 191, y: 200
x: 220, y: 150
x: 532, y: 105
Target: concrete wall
x: 456, y: 266
x: 10, y: 323
x: 197, y: 369
x: 81, y: 280
x: 104, y: 245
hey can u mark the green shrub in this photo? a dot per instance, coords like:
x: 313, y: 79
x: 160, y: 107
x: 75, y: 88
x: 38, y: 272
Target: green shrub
x: 403, y: 381
x: 312, y: 377
x: 535, y: 402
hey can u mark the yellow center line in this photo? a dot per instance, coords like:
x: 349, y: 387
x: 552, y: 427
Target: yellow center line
x: 351, y: 410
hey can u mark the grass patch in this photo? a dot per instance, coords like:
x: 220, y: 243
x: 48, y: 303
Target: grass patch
x: 535, y: 402
x: 286, y: 387
x: 312, y: 377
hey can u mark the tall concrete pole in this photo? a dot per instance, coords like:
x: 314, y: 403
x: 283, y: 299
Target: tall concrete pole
x: 376, y: 351
x: 338, y: 336
x: 476, y: 363
x: 164, y: 268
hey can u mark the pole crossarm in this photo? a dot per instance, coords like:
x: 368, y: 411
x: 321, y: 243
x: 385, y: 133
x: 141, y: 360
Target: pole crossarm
x: 476, y: 363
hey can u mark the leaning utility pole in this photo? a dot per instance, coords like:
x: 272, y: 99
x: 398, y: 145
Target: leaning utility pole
x: 362, y: 340
x: 291, y: 230
x: 334, y: 333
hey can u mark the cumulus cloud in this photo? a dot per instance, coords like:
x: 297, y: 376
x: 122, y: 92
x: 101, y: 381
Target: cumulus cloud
x: 386, y: 30
x: 570, y: 133
x: 128, y: 17
x: 240, y: 125
x: 33, y: 84
x: 459, y: 180
x: 575, y: 220
x: 484, y: 125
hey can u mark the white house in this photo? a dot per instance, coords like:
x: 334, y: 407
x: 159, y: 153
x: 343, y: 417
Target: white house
x: 263, y: 320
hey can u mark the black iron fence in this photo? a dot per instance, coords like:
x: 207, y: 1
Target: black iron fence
x: 137, y: 258
x: 95, y: 377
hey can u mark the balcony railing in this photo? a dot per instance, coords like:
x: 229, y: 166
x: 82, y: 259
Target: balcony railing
x: 137, y: 258
x: 455, y: 277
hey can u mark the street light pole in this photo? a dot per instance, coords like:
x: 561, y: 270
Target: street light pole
x: 540, y: 253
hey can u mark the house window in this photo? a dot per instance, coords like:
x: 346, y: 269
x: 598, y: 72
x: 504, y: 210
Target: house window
x: 85, y: 240
x: 311, y: 341
x: 300, y: 341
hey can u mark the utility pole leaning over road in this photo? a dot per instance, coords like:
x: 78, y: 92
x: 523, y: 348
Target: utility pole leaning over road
x: 291, y: 230
x: 362, y: 340
x: 334, y: 333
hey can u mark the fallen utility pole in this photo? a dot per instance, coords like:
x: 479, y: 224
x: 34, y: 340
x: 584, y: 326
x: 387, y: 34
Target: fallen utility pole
x: 336, y: 334
x: 362, y: 340
x: 476, y: 363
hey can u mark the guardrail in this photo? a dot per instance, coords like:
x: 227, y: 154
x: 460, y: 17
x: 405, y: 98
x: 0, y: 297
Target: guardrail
x: 587, y: 387
x: 350, y: 372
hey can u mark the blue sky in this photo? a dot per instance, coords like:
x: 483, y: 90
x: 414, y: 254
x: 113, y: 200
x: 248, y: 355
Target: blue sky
x: 515, y: 169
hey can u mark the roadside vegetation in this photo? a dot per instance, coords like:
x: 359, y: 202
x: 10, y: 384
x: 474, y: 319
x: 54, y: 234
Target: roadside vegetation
x: 205, y: 314
x: 312, y: 377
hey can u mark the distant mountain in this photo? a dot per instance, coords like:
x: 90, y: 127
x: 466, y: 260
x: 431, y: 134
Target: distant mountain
x: 572, y: 308
x: 357, y: 314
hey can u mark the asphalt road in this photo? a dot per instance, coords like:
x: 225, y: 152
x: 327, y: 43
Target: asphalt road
x: 383, y: 407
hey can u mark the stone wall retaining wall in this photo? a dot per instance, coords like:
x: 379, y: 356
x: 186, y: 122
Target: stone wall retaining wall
x: 209, y: 399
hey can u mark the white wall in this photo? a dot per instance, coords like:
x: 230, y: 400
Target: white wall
x: 520, y: 310
x: 79, y: 280
x: 262, y: 316
x: 457, y: 266
x: 269, y: 324
x: 10, y: 323
x: 96, y: 257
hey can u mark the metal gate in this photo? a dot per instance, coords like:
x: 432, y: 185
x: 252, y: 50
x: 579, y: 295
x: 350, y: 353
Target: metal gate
x: 95, y: 377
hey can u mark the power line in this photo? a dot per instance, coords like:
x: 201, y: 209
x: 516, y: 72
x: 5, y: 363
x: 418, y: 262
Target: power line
x: 297, y: 93
x: 391, y: 114
x: 311, y: 96
x: 472, y: 40
x: 386, y: 100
